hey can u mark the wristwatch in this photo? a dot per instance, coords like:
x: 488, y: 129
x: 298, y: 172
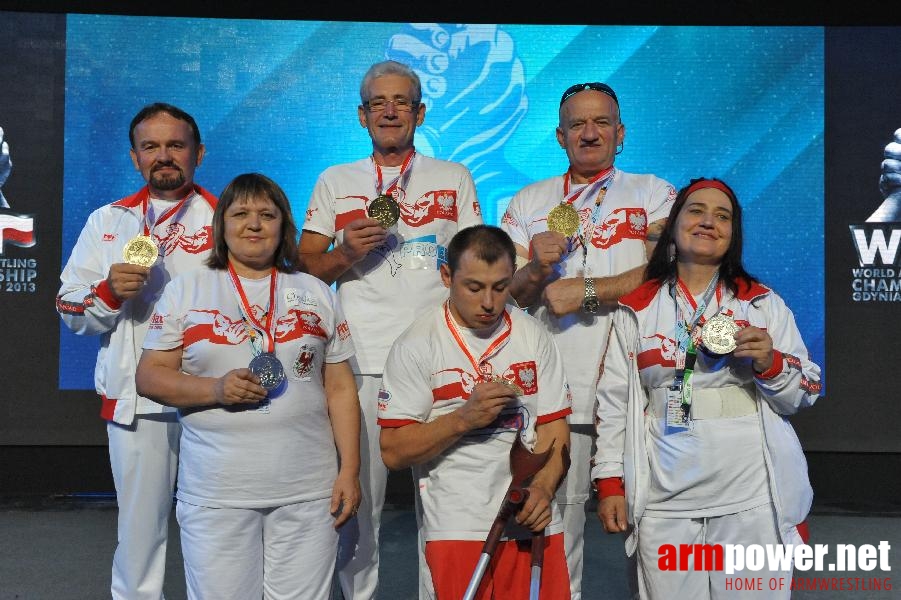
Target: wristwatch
x: 590, y: 303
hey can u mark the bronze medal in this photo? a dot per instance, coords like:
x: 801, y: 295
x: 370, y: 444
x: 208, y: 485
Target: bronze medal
x: 385, y: 210
x: 718, y: 335
x: 563, y: 218
x: 141, y: 251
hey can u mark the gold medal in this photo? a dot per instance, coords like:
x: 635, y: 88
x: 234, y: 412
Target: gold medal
x: 385, y: 210
x: 503, y: 381
x: 141, y: 250
x: 564, y: 219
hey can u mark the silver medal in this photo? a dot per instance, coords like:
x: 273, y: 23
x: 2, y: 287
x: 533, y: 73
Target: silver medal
x: 718, y: 334
x: 269, y: 369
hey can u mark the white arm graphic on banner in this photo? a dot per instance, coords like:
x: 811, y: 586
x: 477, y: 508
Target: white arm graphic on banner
x: 890, y: 184
x: 6, y: 165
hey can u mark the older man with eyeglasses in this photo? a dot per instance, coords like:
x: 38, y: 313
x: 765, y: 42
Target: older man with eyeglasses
x: 380, y: 227
x: 583, y: 239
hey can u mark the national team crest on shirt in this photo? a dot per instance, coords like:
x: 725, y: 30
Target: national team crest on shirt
x: 437, y: 204
x: 621, y: 224
x: 298, y: 323
x: 303, y: 364
x: 525, y: 375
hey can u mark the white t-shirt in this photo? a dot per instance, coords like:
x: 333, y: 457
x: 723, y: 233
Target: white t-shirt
x: 428, y: 374
x: 283, y: 451
x: 385, y: 291
x: 619, y: 231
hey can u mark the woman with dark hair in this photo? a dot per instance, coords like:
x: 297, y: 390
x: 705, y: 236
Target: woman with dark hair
x: 703, y: 367
x: 254, y: 355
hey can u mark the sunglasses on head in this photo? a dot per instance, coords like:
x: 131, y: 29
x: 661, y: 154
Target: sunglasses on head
x: 596, y: 86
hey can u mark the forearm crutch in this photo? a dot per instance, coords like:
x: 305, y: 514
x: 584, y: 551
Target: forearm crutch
x: 523, y: 465
x: 512, y: 502
x: 537, y: 562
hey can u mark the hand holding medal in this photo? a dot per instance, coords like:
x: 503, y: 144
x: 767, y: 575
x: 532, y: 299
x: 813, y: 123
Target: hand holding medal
x: 563, y: 218
x: 141, y: 250
x: 385, y: 210
x: 718, y: 335
x: 756, y: 344
x: 238, y: 387
x: 517, y: 391
x: 269, y: 369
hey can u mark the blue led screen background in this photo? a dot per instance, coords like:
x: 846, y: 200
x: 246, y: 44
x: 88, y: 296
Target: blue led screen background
x: 280, y: 97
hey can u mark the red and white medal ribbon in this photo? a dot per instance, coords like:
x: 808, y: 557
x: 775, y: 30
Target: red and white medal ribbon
x: 597, y: 187
x: 267, y: 329
x: 167, y: 214
x: 406, y: 169
x: 482, y: 367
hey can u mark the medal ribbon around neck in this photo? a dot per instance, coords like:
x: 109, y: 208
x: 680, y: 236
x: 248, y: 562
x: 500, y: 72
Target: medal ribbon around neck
x: 601, y: 179
x: 267, y: 330
x: 686, y: 353
x: 597, y: 186
x: 406, y: 169
x: 489, y: 352
x: 167, y: 214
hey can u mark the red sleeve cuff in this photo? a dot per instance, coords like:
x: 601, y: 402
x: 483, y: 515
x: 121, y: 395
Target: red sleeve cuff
x: 610, y: 486
x: 102, y: 290
x: 560, y: 414
x: 774, y: 369
x: 394, y: 423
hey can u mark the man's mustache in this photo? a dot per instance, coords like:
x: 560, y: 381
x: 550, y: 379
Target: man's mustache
x: 166, y: 165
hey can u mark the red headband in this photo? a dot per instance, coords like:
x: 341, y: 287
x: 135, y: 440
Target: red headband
x: 710, y: 183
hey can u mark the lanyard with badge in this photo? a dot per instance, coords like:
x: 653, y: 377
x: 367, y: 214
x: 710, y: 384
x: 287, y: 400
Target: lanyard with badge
x: 384, y: 208
x: 678, y: 398
x: 586, y: 230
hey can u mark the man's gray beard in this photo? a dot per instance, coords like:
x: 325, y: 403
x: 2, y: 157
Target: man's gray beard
x: 167, y: 183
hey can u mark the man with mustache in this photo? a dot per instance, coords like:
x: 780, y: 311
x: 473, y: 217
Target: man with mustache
x: 582, y: 240
x: 104, y: 294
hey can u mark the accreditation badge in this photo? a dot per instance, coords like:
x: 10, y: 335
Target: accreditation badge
x: 677, y: 416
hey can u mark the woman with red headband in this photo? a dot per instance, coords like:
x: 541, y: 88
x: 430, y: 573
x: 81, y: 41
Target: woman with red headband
x: 704, y: 365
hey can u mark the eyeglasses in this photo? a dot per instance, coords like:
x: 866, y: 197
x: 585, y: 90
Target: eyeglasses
x: 596, y: 86
x: 400, y: 104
